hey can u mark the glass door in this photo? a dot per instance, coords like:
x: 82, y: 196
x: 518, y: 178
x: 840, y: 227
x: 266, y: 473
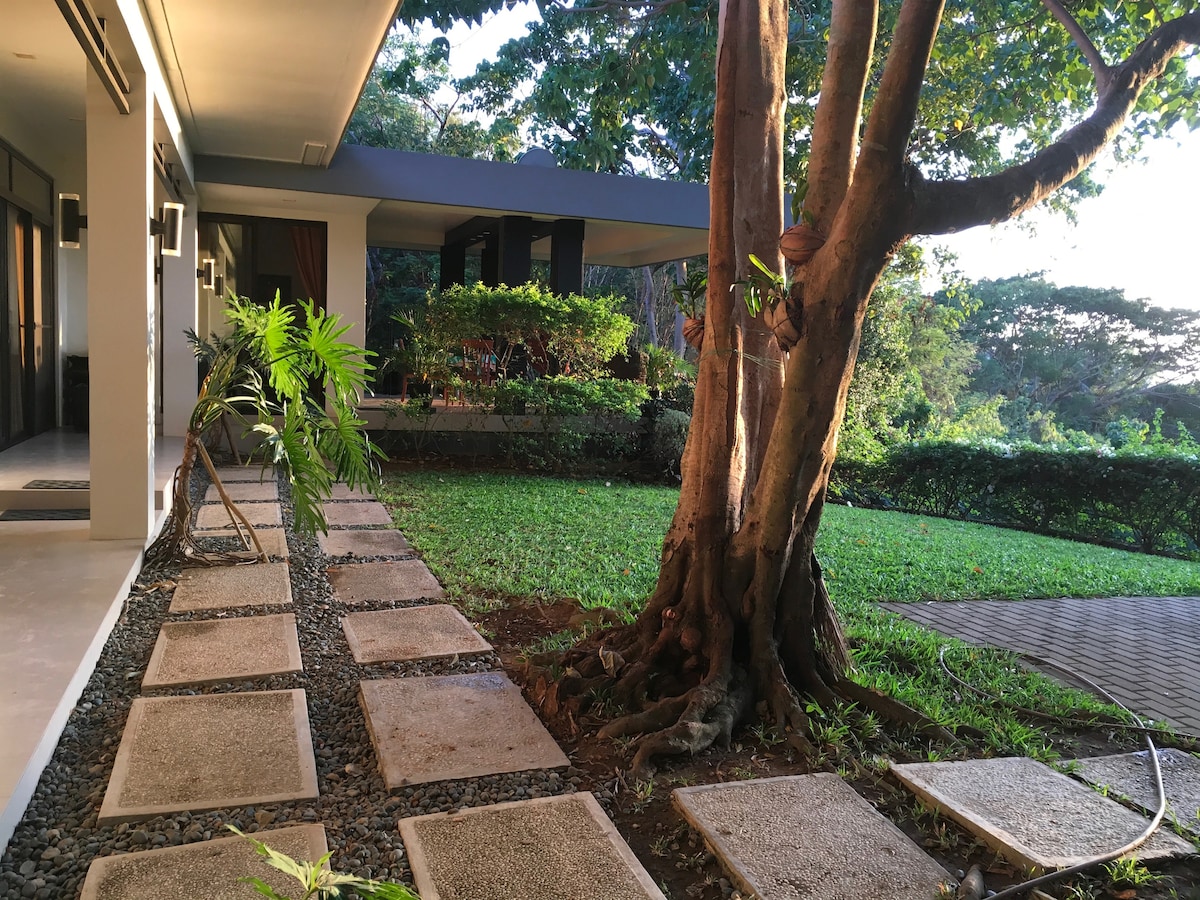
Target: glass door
x: 27, y: 334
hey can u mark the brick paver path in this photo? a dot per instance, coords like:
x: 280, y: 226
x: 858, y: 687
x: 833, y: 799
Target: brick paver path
x: 1145, y: 650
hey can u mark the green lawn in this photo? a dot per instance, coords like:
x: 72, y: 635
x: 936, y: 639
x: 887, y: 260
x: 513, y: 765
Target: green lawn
x: 491, y: 537
x: 486, y: 534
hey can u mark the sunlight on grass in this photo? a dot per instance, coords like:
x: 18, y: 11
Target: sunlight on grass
x: 486, y: 534
x: 513, y: 537
x: 542, y: 538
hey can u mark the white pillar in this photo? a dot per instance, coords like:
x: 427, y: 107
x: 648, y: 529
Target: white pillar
x: 346, y: 283
x: 120, y: 311
x: 346, y: 289
x: 180, y: 299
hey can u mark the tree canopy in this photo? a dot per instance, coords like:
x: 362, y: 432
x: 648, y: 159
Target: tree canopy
x: 1081, y: 352
x: 630, y: 87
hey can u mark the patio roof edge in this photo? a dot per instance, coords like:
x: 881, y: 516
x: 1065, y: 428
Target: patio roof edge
x: 449, y: 181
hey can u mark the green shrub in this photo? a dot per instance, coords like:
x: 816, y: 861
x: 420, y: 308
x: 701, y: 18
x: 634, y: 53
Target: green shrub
x: 668, y: 437
x: 582, y: 333
x: 567, y: 396
x: 1148, y: 500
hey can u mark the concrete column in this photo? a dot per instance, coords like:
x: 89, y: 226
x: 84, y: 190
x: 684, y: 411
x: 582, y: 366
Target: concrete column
x: 346, y: 279
x: 566, y: 256
x: 515, y: 249
x: 120, y: 305
x: 489, y: 260
x: 180, y: 313
x: 453, y: 265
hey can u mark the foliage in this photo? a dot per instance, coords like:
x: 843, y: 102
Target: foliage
x: 913, y: 364
x: 400, y: 107
x: 657, y: 66
x: 668, y: 437
x: 263, y: 375
x: 500, y: 535
x: 563, y: 395
x: 665, y: 368
x: 1077, y: 352
x: 317, y: 881
x: 764, y: 287
x: 583, y: 333
x: 1147, y: 498
x: 689, y: 296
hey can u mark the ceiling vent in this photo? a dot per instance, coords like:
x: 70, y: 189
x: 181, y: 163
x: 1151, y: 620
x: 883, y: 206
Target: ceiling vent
x: 313, y: 154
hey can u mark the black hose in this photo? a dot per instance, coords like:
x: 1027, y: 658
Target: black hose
x: 1018, y: 890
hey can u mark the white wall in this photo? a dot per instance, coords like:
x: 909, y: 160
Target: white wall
x: 346, y: 271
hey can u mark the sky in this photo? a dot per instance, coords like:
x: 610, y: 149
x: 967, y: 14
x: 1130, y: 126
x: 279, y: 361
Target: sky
x: 1141, y: 234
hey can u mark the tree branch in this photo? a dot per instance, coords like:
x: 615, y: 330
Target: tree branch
x: 1100, y: 69
x: 941, y: 207
x: 835, y: 128
x: 894, y: 112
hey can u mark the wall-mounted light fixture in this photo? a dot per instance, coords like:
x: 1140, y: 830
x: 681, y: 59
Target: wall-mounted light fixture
x: 219, y: 285
x: 207, y: 273
x: 169, y: 226
x: 70, y: 222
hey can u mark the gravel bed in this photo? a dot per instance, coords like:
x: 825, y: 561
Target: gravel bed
x: 58, y: 836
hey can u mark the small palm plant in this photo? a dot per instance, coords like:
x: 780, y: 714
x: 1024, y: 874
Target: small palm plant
x: 274, y: 347
x: 317, y: 881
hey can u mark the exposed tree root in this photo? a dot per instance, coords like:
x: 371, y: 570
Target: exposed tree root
x: 176, y: 542
x: 684, y: 702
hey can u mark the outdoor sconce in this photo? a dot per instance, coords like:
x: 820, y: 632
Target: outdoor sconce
x: 208, y: 273
x: 169, y: 226
x: 219, y: 285
x: 70, y: 222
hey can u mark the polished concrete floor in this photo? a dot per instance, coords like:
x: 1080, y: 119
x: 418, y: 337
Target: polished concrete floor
x: 60, y: 594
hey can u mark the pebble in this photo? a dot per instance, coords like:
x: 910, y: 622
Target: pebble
x: 58, y: 837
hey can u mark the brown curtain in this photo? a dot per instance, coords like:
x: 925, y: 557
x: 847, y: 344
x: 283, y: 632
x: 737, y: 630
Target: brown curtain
x: 309, y: 246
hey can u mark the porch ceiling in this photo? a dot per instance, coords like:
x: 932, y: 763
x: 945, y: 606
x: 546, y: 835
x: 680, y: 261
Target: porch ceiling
x: 298, y: 65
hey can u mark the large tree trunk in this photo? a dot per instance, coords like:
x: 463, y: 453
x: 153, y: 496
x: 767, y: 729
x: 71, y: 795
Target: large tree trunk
x: 740, y: 620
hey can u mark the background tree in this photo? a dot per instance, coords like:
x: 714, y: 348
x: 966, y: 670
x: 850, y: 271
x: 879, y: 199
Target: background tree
x: 1081, y: 353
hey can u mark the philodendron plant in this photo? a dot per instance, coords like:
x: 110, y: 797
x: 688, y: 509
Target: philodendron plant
x: 286, y: 377
x: 317, y: 881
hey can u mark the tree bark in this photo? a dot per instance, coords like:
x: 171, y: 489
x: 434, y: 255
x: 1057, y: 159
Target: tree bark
x: 740, y: 619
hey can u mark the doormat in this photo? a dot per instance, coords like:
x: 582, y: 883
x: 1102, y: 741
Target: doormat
x: 57, y: 484
x: 43, y: 515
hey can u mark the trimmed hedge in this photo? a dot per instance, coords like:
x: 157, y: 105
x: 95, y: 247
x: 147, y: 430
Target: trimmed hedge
x: 1150, y: 503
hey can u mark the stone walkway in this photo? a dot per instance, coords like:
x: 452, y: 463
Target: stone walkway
x: 254, y: 748
x: 185, y: 749
x: 1145, y: 650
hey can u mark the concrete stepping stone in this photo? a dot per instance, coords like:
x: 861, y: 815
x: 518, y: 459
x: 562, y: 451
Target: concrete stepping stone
x: 344, y: 515
x: 206, y: 651
x: 244, y: 492
x: 345, y: 492
x: 252, y: 472
x: 360, y: 542
x: 1035, y: 816
x: 1130, y: 775
x: 213, y: 516
x: 273, y: 540
x: 402, y: 580
x: 808, y: 836
x: 551, y: 848
x: 222, y: 587
x: 207, y: 869
x: 454, y: 726
x: 415, y: 632
x: 214, y: 751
